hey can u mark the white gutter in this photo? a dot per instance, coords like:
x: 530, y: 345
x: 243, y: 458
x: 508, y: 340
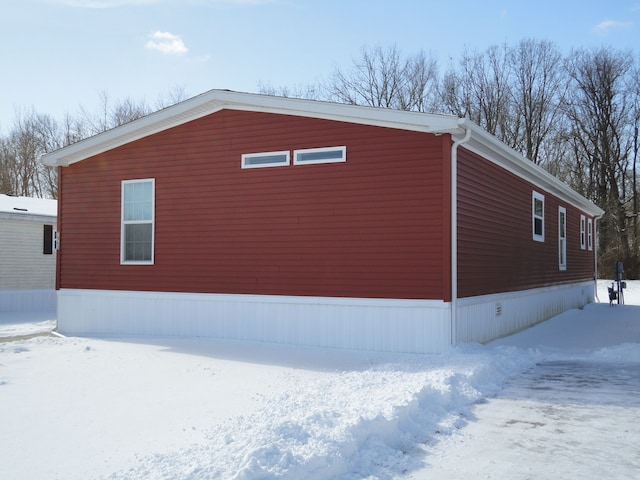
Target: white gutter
x: 454, y: 228
x: 594, y: 239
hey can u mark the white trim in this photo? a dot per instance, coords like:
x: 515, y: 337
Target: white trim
x: 497, y: 152
x: 123, y: 222
x: 246, y: 157
x: 540, y: 197
x: 583, y: 232
x: 562, y: 238
x: 590, y: 234
x: 395, y: 325
x: 297, y: 153
x: 216, y: 100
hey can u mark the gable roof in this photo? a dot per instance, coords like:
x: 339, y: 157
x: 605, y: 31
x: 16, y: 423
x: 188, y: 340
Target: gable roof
x: 215, y: 100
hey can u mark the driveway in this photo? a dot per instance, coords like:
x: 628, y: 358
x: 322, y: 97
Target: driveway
x: 564, y: 419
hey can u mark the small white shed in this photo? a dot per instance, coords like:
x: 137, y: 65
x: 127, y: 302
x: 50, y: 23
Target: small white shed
x: 27, y: 253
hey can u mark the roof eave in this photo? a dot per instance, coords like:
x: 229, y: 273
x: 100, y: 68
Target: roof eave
x: 216, y: 100
x: 485, y: 144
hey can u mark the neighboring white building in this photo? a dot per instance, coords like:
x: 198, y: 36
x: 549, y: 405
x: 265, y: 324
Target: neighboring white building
x: 27, y: 253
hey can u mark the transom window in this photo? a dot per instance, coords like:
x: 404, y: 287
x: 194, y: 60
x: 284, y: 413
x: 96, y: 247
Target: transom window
x: 320, y: 155
x: 137, y: 221
x: 537, y: 216
x: 265, y: 159
x: 562, y: 238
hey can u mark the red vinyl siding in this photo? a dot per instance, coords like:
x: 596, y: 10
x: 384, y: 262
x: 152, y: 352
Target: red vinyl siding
x: 373, y: 226
x: 496, y: 250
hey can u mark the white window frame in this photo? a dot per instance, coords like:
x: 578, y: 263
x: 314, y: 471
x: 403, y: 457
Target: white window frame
x: 297, y: 154
x: 123, y: 260
x: 590, y: 234
x: 246, y: 159
x: 540, y: 197
x: 583, y: 232
x: 562, y: 238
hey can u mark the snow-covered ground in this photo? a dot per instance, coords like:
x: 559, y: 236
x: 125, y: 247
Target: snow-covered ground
x: 555, y: 401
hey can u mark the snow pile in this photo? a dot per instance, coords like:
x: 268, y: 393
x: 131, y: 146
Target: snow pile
x: 18, y: 324
x: 202, y: 409
x: 343, y: 424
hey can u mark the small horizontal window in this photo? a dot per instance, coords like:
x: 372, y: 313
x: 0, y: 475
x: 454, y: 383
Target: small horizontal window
x: 265, y: 159
x: 320, y: 155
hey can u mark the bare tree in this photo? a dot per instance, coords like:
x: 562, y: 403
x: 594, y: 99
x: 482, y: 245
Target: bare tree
x: 31, y: 136
x: 597, y: 107
x: 309, y: 91
x: 110, y: 114
x: 536, y: 90
x: 175, y: 94
x: 480, y: 90
x: 381, y: 78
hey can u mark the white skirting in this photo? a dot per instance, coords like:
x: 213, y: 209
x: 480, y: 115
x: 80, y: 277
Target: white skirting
x: 415, y: 326
x: 394, y: 325
x: 487, y: 317
x: 28, y: 300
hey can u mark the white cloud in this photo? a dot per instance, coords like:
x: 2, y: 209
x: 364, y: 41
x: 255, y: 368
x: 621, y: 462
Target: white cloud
x: 167, y: 43
x: 603, y: 27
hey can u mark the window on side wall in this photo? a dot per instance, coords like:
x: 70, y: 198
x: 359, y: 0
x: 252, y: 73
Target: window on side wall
x: 265, y: 159
x: 537, y: 216
x: 137, y: 234
x: 583, y: 232
x: 590, y: 234
x: 47, y: 240
x: 320, y: 155
x: 562, y: 238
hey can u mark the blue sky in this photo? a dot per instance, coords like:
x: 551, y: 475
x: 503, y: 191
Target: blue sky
x: 58, y: 54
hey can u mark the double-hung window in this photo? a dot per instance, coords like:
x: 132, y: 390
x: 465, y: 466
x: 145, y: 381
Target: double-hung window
x: 562, y: 238
x: 583, y: 232
x: 137, y: 233
x: 590, y: 234
x: 537, y: 216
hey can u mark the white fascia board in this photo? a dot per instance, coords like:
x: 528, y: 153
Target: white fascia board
x: 215, y: 100
x: 489, y: 147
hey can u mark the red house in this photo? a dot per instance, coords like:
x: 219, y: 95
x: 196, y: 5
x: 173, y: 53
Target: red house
x: 260, y: 218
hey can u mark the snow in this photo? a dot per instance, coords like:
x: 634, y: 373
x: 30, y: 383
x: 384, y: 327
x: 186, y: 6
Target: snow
x: 559, y: 400
x: 28, y: 205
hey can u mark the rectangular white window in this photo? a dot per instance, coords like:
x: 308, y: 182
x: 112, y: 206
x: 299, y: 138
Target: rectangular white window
x: 537, y: 216
x: 137, y: 233
x: 583, y: 232
x: 265, y: 159
x: 320, y: 155
x: 562, y: 238
x: 590, y: 234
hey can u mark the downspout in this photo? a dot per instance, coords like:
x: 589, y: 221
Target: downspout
x: 594, y: 239
x: 454, y: 228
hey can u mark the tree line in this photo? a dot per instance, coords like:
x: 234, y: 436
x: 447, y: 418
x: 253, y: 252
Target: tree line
x: 576, y: 115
